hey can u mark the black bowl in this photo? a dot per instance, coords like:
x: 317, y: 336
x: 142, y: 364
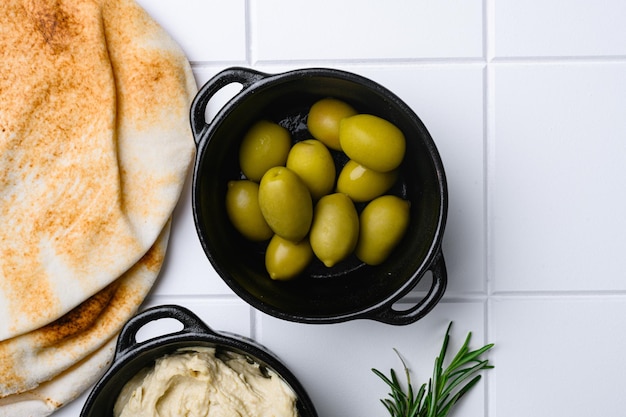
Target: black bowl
x: 132, y: 356
x: 351, y: 289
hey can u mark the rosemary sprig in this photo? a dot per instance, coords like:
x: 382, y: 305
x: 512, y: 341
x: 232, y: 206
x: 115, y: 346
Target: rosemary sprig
x: 443, y: 390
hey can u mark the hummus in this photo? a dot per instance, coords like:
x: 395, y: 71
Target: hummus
x: 198, y: 382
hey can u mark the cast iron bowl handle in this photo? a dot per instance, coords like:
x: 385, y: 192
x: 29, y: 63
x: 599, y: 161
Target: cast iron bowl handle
x: 387, y: 314
x: 127, y: 340
x: 244, y: 76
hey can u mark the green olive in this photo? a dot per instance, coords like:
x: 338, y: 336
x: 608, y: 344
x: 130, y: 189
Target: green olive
x: 265, y: 145
x: 372, y: 141
x: 242, y: 207
x: 362, y: 184
x: 323, y: 120
x: 314, y: 164
x: 286, y: 203
x: 335, y: 228
x: 285, y: 259
x: 383, y: 224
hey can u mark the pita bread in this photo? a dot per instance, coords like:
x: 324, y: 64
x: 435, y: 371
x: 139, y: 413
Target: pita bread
x: 52, y: 395
x: 95, y: 146
x: 43, y: 354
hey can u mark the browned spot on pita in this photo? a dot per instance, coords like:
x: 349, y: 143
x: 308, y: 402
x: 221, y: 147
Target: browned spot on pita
x: 78, y: 320
x: 148, y: 92
x: 10, y: 375
x: 21, y: 282
x: 150, y: 81
x: 153, y: 259
x: 52, y: 22
x: 53, y: 403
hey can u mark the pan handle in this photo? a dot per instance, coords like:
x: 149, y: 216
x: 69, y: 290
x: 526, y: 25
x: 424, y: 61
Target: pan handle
x: 387, y: 314
x: 244, y: 76
x: 127, y: 340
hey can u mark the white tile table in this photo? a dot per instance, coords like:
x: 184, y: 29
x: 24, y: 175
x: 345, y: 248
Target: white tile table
x: 526, y: 101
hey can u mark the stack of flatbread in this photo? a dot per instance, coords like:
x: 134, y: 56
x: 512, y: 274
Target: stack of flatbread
x: 95, y: 146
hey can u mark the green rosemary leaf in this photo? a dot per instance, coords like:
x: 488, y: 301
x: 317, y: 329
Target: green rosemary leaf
x: 470, y: 357
x: 389, y: 406
x: 462, y: 375
x: 393, y: 408
x: 446, y: 340
x: 446, y: 406
x: 443, y: 390
x: 384, y: 378
x: 459, y: 357
x: 415, y: 406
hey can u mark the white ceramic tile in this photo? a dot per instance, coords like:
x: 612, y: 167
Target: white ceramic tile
x: 558, y: 357
x: 548, y: 231
x: 186, y: 269
x: 327, y: 29
x: 73, y: 408
x: 558, y: 177
x: 555, y: 28
x: 207, y: 30
x: 219, y: 314
x: 334, y: 362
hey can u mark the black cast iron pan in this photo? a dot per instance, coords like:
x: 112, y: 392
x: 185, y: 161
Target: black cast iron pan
x: 347, y: 291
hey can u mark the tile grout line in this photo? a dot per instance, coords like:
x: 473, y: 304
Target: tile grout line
x: 564, y: 59
x: 557, y: 295
x: 488, y: 170
x: 249, y: 35
x: 255, y: 326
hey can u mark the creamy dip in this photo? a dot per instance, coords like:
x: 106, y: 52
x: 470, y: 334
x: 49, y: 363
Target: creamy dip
x: 198, y: 382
